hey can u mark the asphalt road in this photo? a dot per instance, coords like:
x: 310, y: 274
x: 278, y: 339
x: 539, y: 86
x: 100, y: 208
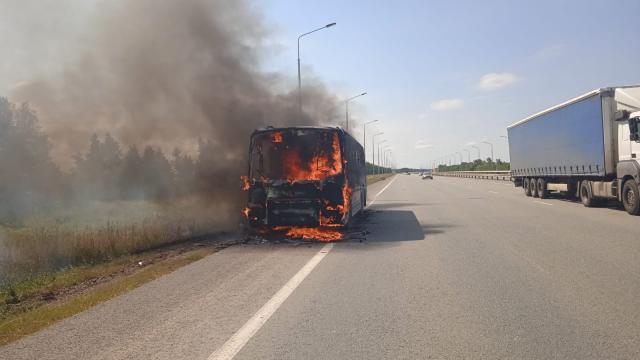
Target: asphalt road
x: 451, y: 268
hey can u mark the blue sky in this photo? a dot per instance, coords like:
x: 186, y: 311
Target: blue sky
x: 444, y: 74
x: 440, y: 75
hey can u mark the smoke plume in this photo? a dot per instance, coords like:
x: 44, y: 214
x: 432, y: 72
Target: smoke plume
x: 171, y: 74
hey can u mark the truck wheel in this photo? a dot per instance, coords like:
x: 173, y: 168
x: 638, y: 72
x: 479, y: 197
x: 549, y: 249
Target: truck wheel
x: 630, y: 197
x: 543, y: 193
x: 586, y: 196
x: 525, y: 185
x: 533, y: 185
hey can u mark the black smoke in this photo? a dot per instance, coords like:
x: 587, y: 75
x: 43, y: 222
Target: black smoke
x: 157, y: 102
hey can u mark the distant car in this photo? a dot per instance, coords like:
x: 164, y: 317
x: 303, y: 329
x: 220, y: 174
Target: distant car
x: 408, y: 173
x: 427, y: 176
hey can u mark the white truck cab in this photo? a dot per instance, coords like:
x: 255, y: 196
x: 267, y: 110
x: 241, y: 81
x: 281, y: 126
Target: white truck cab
x: 628, y: 101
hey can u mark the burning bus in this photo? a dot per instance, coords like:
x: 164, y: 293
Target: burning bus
x: 304, y: 180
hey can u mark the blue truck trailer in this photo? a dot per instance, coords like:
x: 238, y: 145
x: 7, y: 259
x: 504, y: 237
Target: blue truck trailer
x: 588, y: 147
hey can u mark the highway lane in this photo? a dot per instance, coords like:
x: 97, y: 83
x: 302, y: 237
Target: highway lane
x: 459, y: 268
x: 451, y: 268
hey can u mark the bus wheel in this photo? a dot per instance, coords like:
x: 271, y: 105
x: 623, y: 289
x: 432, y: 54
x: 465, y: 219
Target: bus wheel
x: 630, y: 197
x: 525, y: 185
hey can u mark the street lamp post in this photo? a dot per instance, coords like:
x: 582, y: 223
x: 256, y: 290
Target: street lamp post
x: 492, y: 159
x: 346, y: 103
x: 386, y: 154
x: 373, y: 151
x: 299, y: 77
x: 364, y: 138
x: 468, y: 154
x: 383, y: 160
x: 380, y: 143
x: 386, y: 159
x: 477, y: 148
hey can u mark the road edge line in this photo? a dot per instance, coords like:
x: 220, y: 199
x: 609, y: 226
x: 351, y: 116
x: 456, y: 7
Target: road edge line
x: 381, y: 191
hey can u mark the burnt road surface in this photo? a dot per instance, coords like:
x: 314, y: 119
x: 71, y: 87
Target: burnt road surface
x: 451, y: 268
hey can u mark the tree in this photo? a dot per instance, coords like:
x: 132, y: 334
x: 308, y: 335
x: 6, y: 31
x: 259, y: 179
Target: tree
x: 29, y: 180
x: 131, y: 181
x: 185, y: 173
x: 157, y: 174
x: 98, y: 172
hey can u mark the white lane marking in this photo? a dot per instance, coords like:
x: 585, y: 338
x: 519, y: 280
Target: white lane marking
x: 542, y: 202
x: 493, y: 192
x: 238, y: 340
x: 381, y: 191
x: 385, y: 188
x: 251, y: 327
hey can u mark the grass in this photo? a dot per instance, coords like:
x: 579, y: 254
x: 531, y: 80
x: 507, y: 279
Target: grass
x: 16, y: 322
x: 60, y: 263
x: 31, y: 250
x: 97, y: 233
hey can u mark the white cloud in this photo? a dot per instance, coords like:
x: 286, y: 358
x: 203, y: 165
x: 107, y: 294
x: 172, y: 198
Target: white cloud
x: 421, y: 144
x: 447, y: 104
x: 495, y: 81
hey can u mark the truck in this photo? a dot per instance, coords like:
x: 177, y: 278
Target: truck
x: 587, y: 148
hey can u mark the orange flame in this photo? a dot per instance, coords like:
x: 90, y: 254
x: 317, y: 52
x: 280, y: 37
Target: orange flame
x: 246, y: 184
x: 318, y: 168
x: 346, y: 195
x: 276, y: 137
x: 327, y: 221
x: 313, y: 233
x: 245, y: 211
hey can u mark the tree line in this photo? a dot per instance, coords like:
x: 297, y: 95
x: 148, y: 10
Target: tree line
x: 30, y: 181
x: 376, y: 169
x: 477, y: 165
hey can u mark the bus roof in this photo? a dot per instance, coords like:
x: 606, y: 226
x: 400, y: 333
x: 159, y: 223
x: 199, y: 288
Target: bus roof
x: 284, y: 128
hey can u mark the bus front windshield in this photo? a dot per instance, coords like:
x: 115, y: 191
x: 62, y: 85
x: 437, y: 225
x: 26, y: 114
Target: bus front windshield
x: 295, y: 155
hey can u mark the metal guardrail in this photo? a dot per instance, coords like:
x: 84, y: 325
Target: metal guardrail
x: 503, y: 175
